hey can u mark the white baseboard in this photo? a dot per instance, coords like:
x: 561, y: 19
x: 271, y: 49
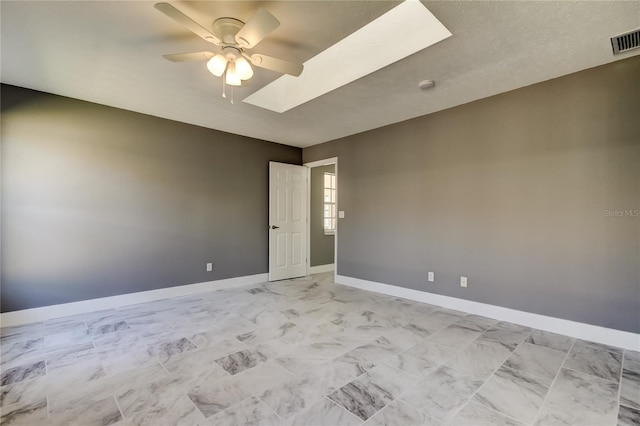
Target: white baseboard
x: 594, y: 333
x: 44, y: 313
x: 329, y: 267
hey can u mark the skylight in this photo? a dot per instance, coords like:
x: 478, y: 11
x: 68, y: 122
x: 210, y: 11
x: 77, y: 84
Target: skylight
x: 403, y: 31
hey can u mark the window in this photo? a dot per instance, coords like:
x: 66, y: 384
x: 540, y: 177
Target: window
x: 329, y: 203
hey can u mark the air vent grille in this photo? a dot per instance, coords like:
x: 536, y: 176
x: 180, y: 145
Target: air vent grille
x: 626, y: 42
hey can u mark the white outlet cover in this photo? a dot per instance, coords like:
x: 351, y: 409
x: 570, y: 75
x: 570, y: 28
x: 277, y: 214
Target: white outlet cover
x: 341, y: 214
x: 431, y: 277
x: 209, y: 267
x: 463, y: 282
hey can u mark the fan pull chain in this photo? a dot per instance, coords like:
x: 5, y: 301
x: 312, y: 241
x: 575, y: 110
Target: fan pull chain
x: 224, y: 87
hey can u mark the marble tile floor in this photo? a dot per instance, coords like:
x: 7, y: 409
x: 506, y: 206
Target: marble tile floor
x: 307, y: 352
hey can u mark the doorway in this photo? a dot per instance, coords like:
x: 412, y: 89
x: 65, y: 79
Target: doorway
x: 322, y: 211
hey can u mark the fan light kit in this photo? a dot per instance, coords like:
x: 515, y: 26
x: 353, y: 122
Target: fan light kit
x: 237, y: 68
x: 233, y: 37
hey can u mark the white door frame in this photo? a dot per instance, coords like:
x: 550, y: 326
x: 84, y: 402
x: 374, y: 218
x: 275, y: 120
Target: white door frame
x: 325, y: 162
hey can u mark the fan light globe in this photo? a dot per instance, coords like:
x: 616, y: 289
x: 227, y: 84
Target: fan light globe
x: 232, y: 78
x: 217, y: 65
x: 243, y: 68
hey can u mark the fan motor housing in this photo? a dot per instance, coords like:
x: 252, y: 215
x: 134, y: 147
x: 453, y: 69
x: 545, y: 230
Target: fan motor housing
x: 226, y: 29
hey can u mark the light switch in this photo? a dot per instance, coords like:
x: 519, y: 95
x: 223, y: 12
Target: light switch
x: 341, y: 214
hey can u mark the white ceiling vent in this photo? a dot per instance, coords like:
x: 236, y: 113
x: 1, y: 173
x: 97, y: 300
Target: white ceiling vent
x: 625, y: 42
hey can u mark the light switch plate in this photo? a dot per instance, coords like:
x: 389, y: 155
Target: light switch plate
x: 463, y: 282
x: 341, y: 214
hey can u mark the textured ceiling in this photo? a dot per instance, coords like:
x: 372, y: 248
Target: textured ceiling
x: 110, y: 52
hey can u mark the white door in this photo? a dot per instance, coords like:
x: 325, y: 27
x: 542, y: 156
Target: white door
x: 287, y: 221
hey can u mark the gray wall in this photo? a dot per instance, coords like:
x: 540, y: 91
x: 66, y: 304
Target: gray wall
x: 322, y: 246
x: 511, y: 191
x: 98, y: 201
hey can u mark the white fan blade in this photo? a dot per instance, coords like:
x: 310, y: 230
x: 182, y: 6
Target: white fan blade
x: 189, y: 23
x: 184, y: 57
x: 256, y: 29
x: 275, y: 64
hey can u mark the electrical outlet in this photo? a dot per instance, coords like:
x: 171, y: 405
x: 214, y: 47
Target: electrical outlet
x: 463, y: 282
x: 430, y: 277
x: 209, y: 267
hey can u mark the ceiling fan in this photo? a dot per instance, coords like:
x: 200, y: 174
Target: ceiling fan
x: 234, y: 38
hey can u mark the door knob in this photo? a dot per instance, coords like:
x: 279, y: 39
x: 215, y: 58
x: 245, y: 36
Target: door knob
x: 275, y: 227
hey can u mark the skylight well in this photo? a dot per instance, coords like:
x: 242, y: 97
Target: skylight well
x: 403, y: 31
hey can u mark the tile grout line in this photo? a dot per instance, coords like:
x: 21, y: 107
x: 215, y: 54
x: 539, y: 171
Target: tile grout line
x: 186, y: 395
x: 420, y: 377
x: 48, y: 408
x: 495, y: 411
x: 119, y: 408
x: 553, y: 382
x: 349, y: 412
x: 487, y: 380
x: 534, y: 344
x: 620, y: 384
x: 270, y: 409
x: 591, y: 375
x: 162, y: 365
